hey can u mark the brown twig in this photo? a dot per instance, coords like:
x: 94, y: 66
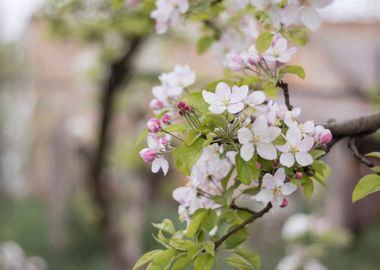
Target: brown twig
x: 284, y: 86
x: 242, y: 225
x: 353, y: 147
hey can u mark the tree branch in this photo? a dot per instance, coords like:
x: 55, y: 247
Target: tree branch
x: 242, y: 225
x: 352, y: 145
x: 284, y: 86
x: 357, y: 127
x: 119, y: 72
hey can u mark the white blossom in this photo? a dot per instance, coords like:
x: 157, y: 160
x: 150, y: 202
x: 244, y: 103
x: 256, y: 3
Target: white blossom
x: 224, y: 99
x: 296, y: 148
x: 260, y: 136
x: 274, y: 188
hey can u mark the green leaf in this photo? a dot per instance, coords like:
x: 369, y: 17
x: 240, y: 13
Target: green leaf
x: 316, y: 153
x: 250, y: 256
x: 181, y: 262
x: 195, y: 223
x: 166, y: 225
x: 209, y: 220
x: 367, y: 185
x: 376, y: 169
x: 176, y: 128
x: 209, y: 247
x: 204, y: 43
x: 163, y: 260
x: 181, y: 244
x: 186, y: 155
x: 308, y: 187
x: 246, y: 170
x: 263, y: 41
x: 373, y: 154
x: 192, y: 136
x: 239, y: 262
x: 204, y: 262
x: 293, y: 69
x: 237, y: 238
x: 296, y: 35
x: 146, y: 258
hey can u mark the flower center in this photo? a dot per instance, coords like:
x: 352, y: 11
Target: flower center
x: 276, y: 53
x: 226, y: 100
x: 256, y: 139
x: 276, y: 190
x: 294, y: 150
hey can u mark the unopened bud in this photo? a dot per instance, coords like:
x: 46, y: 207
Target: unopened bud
x: 156, y: 104
x: 148, y: 155
x: 166, y: 118
x: 299, y: 175
x: 154, y: 125
x: 284, y: 203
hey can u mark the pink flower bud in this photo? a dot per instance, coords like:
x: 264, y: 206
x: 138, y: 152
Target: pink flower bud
x: 148, y: 155
x: 325, y: 137
x: 181, y: 105
x: 154, y: 125
x: 164, y: 141
x: 156, y: 104
x: 166, y: 118
x: 299, y: 175
x: 284, y: 203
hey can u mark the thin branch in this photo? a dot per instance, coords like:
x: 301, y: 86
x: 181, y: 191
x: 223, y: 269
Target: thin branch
x: 284, y: 86
x: 242, y: 225
x: 352, y: 145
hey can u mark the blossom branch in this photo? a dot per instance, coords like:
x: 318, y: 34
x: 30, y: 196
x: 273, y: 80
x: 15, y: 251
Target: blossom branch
x: 239, y: 227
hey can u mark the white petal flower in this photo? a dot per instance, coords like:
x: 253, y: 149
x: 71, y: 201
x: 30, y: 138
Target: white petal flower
x: 260, y: 136
x: 296, y: 148
x: 255, y: 99
x: 279, y: 51
x: 224, y: 99
x: 274, y: 188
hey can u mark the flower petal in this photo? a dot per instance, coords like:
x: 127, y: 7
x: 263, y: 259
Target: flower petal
x: 223, y: 90
x: 156, y: 165
x: 293, y: 135
x: 239, y: 93
x: 304, y: 158
x: 287, y: 159
x: 164, y: 165
x: 280, y: 175
x: 283, y: 148
x: 217, y: 109
x: 269, y: 181
x: 277, y: 200
x: 247, y: 151
x: 264, y: 196
x: 209, y: 97
x: 271, y: 133
x: 306, y: 144
x: 260, y: 125
x: 288, y: 188
x: 256, y: 98
x: 310, y: 18
x: 267, y: 151
x: 244, y: 135
x: 235, y: 108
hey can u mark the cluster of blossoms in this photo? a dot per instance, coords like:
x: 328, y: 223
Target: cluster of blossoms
x: 168, y: 13
x: 275, y: 56
x: 166, y: 95
x: 307, y: 235
x: 261, y: 131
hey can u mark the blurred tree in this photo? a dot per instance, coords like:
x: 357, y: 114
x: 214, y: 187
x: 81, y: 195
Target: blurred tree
x: 119, y: 29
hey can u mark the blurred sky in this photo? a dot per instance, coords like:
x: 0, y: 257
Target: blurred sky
x: 15, y: 14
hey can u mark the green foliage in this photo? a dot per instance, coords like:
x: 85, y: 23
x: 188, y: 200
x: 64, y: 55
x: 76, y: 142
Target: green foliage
x: 204, y: 262
x: 204, y: 43
x: 297, y: 35
x: 186, y: 155
x: 243, y: 259
x: 293, y: 69
x: 147, y: 258
x: 246, y: 170
x: 264, y: 41
x: 367, y: 185
x: 237, y: 238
